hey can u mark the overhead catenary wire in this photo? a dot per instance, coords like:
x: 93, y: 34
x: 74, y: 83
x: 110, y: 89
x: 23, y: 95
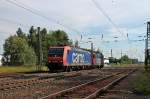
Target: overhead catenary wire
x: 13, y: 22
x: 4, y: 32
x: 36, y: 12
x: 98, y: 6
x: 17, y: 23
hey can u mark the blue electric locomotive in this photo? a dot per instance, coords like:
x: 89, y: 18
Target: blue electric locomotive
x: 68, y: 58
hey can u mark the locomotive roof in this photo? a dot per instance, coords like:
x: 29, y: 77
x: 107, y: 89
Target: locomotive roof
x: 76, y: 48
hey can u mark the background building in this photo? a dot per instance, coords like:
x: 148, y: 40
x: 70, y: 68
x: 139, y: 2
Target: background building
x: 0, y: 60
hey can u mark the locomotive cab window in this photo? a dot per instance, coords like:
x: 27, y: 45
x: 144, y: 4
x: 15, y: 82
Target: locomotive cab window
x: 56, y: 51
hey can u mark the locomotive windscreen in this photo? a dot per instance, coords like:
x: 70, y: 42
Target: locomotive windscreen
x: 56, y: 51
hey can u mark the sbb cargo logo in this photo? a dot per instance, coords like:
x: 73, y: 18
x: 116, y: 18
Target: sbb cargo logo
x: 78, y: 58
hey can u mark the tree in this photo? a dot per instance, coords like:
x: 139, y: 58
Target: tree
x: 76, y: 44
x: 60, y: 37
x: 53, y: 38
x: 33, y: 40
x: 20, y: 33
x: 125, y: 60
x: 19, y: 51
x: 43, y: 33
x: 32, y: 37
x: 70, y: 42
x: 113, y: 60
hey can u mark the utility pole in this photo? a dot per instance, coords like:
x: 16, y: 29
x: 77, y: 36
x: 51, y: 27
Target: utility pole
x: 40, y: 55
x: 92, y: 52
x: 111, y: 53
x: 147, y: 46
x: 121, y: 53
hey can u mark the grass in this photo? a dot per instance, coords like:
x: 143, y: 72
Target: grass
x: 127, y: 65
x: 142, y: 83
x: 20, y: 69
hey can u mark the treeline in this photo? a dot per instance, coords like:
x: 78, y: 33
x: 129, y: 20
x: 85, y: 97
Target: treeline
x: 23, y: 48
x: 123, y: 60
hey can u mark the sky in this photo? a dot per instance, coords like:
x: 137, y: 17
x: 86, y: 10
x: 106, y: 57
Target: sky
x: 114, y: 19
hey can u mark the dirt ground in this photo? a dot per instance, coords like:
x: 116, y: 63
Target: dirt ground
x: 125, y: 90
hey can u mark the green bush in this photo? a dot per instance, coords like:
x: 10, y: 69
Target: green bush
x: 142, y: 83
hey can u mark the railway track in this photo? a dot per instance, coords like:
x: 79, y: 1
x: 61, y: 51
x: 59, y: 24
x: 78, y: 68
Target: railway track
x: 35, y: 86
x: 91, y: 89
x: 22, y: 83
x: 12, y: 81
